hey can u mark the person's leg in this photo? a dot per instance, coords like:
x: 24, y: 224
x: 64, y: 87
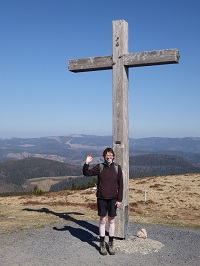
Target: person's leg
x: 111, y: 217
x: 111, y: 221
x: 102, y: 226
x: 102, y: 211
x: 102, y: 232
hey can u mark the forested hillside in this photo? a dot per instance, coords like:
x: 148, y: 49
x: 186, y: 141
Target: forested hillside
x: 13, y: 174
x: 160, y: 164
x: 18, y: 171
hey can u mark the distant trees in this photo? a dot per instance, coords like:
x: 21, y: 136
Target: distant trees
x: 160, y: 164
x: 37, y: 191
x: 79, y: 183
x: 17, y: 172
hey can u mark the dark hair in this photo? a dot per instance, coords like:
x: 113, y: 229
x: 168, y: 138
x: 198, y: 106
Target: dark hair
x: 108, y: 150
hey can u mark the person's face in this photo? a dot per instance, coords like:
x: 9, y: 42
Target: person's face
x: 109, y: 157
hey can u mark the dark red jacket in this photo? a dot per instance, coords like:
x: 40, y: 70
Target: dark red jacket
x: 110, y: 184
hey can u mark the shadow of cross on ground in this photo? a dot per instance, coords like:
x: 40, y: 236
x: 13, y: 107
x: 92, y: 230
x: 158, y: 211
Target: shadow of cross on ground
x: 82, y: 233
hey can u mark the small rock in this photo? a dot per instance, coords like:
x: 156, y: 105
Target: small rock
x: 142, y: 233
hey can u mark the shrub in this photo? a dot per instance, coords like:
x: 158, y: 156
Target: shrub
x: 37, y: 191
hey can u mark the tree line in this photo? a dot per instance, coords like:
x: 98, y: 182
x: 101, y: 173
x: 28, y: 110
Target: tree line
x: 17, y: 172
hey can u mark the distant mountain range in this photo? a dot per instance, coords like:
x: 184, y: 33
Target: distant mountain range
x: 73, y: 149
x: 33, y: 158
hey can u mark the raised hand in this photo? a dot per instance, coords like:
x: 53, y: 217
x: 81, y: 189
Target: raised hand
x: 89, y: 158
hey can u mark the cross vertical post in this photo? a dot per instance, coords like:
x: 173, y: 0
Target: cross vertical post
x: 120, y: 62
x: 121, y: 119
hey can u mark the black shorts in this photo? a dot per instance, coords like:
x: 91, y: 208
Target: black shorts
x: 107, y: 206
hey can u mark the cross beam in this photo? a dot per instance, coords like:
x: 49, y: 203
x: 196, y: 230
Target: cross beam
x: 157, y: 57
x: 120, y: 62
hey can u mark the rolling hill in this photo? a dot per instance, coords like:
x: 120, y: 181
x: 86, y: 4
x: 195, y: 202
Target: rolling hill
x: 17, y: 172
x: 13, y: 174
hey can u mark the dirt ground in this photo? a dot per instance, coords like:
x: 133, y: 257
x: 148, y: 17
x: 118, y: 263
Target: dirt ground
x: 172, y: 200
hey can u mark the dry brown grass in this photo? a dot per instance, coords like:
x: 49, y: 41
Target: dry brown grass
x: 169, y: 200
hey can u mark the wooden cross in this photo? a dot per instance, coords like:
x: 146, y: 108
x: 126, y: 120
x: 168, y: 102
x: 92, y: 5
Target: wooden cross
x: 120, y: 62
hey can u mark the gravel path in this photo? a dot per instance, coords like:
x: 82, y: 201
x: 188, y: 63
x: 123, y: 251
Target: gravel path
x: 76, y: 243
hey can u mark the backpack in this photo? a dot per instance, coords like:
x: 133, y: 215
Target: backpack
x: 101, y: 166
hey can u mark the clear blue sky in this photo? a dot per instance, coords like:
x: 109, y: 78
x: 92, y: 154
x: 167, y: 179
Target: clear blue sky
x: 40, y: 97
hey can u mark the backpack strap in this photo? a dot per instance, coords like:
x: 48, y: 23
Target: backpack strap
x: 116, y: 167
x: 101, y: 166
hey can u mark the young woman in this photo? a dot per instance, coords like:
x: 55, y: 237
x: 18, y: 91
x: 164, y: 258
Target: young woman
x: 109, y: 194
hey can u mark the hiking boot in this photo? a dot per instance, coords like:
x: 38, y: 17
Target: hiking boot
x: 103, y: 250
x: 111, y: 249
